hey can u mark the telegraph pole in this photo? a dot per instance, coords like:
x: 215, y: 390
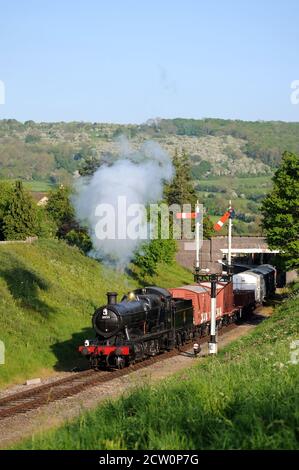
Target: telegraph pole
x: 230, y: 236
x: 213, y: 341
x: 229, y: 254
x: 229, y: 214
x: 197, y: 216
x: 213, y: 279
x: 197, y: 240
x: 200, y: 275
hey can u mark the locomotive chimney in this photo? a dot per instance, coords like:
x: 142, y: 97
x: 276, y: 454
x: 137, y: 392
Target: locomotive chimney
x: 111, y: 298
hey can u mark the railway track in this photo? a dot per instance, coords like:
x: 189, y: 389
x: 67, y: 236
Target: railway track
x: 36, y: 397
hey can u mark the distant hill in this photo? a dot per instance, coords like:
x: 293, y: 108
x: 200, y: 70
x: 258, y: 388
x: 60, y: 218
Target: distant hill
x: 52, y: 152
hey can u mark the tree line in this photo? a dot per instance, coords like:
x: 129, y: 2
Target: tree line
x: 21, y: 217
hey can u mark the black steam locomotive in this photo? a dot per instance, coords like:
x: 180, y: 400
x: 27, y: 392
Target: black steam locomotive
x: 146, y: 322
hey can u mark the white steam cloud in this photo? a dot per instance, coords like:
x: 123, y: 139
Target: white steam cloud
x: 136, y: 178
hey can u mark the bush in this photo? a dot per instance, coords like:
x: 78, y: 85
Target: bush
x: 59, y: 207
x: 148, y: 257
x: 20, y: 215
x: 79, y: 238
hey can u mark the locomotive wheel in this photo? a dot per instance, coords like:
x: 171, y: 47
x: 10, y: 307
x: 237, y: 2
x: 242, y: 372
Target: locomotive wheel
x: 178, y: 341
x: 130, y: 361
x: 94, y: 363
x: 120, y: 362
x: 139, y: 351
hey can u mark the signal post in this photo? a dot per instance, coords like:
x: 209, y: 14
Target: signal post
x: 213, y: 279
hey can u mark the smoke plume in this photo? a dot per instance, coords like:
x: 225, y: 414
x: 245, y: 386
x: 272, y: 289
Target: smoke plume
x: 137, y: 177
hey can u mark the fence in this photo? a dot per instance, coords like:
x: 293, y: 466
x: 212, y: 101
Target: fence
x: 28, y: 240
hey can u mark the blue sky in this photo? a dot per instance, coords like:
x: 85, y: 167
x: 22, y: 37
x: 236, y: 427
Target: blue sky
x: 127, y: 61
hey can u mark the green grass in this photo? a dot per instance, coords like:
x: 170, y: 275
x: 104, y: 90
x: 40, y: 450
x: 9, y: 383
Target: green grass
x: 48, y: 292
x: 248, y: 186
x: 35, y: 186
x: 246, y: 194
x: 38, y: 186
x: 245, y: 188
x: 246, y: 181
x: 245, y: 398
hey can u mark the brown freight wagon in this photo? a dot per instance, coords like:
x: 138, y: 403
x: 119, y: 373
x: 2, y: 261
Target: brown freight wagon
x: 200, y: 294
x: 201, y: 301
x: 244, y: 300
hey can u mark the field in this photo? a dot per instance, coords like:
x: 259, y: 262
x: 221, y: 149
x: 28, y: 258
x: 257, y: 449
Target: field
x: 246, y: 194
x: 35, y: 186
x: 248, y: 185
x: 38, y: 186
x: 245, y: 398
x: 48, y: 292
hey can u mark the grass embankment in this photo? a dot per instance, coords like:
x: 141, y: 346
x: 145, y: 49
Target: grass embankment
x: 245, y: 398
x: 48, y: 292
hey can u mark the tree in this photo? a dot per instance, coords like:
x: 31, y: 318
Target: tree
x: 20, y: 218
x: 89, y: 166
x: 6, y: 190
x: 47, y: 227
x: 200, y: 170
x: 180, y: 190
x: 80, y: 238
x: 208, y: 227
x: 148, y: 256
x: 151, y: 254
x: 60, y: 209
x: 280, y: 211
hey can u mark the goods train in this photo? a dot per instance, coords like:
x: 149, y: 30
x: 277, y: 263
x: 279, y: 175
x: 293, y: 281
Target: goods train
x: 150, y: 320
x: 261, y: 280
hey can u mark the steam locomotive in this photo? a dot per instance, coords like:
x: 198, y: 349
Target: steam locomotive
x: 150, y: 320
x: 146, y: 322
